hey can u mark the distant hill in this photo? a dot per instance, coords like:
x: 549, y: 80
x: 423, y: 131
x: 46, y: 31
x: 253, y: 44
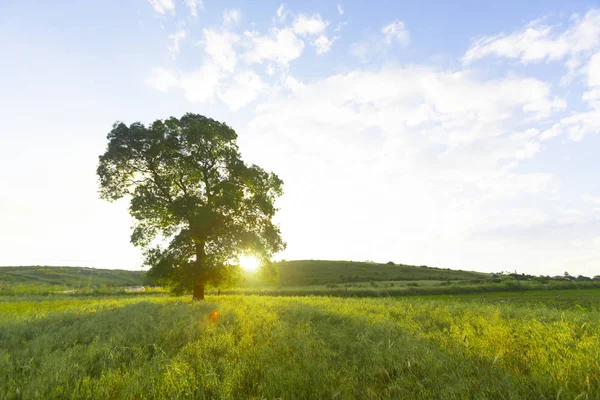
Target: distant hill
x: 70, y: 276
x: 319, y: 272
x: 291, y: 273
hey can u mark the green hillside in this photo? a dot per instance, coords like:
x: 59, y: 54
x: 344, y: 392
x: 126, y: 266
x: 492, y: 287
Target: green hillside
x: 70, y: 276
x: 291, y: 273
x: 320, y: 272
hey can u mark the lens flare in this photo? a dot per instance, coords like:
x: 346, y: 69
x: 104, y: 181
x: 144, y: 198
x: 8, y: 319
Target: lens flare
x: 214, y: 316
x: 249, y: 263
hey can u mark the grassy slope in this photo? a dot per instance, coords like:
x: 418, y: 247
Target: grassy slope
x: 70, y: 276
x: 319, y: 272
x: 292, y: 273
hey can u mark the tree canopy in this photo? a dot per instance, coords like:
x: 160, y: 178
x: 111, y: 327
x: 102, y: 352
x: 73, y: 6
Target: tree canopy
x: 197, y: 206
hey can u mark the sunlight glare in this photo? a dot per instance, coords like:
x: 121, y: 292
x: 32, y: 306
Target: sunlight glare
x: 249, y: 263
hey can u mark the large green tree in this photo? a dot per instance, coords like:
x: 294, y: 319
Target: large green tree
x: 197, y: 206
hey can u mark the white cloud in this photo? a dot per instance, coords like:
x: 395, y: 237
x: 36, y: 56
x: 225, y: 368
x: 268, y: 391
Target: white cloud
x: 163, y: 6
x: 576, y: 126
x: 193, y: 6
x: 176, y: 39
x: 208, y: 82
x: 396, y: 32
x: 592, y: 97
x: 280, y: 46
x: 162, y: 80
x: 220, y: 45
x: 361, y: 50
x: 201, y: 85
x: 376, y: 46
x: 579, y: 124
x: 270, y: 71
x: 594, y: 200
x: 577, y: 45
x: 340, y: 9
x: 539, y: 42
x: 245, y: 88
x: 309, y: 25
x: 593, y: 70
x: 231, y: 17
x: 282, y: 14
x: 293, y: 84
x: 323, y: 44
x: 438, y: 156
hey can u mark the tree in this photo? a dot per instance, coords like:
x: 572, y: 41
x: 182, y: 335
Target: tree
x: 197, y: 206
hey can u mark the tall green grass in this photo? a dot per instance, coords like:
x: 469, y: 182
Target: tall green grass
x: 295, y: 348
x: 391, y: 289
x: 59, y: 290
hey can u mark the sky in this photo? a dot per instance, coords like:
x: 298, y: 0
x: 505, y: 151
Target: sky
x: 461, y: 134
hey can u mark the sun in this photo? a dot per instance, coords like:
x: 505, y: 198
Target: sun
x: 249, y: 263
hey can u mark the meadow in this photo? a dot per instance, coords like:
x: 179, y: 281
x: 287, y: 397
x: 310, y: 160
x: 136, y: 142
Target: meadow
x: 412, y: 288
x: 69, y: 277
x: 536, y: 344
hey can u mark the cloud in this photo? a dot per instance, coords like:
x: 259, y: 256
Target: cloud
x: 176, y: 39
x: 282, y: 14
x: 231, y: 17
x: 209, y: 82
x: 538, y: 42
x: 396, y: 32
x: 314, y: 26
x: 361, y: 50
x: 201, y: 85
x: 279, y: 45
x: 340, y: 9
x: 323, y: 44
x: 163, y: 6
x: 594, y: 200
x: 576, y: 126
x: 309, y: 25
x: 579, y: 124
x: 593, y: 70
x: 376, y: 46
x: 220, y: 46
x: 576, y: 45
x: 162, y: 80
x: 245, y: 88
x: 280, y: 10
x: 193, y: 6
x: 425, y: 163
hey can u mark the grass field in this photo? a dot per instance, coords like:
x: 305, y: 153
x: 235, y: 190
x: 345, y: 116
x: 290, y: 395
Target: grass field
x: 411, y: 288
x: 69, y: 276
x: 530, y: 345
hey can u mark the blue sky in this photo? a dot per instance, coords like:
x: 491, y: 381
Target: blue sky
x: 459, y: 135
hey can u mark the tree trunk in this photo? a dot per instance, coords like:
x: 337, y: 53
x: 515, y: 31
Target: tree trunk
x: 200, y: 257
x: 199, y: 290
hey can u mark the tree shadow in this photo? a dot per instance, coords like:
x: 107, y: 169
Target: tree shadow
x: 394, y: 363
x: 255, y: 346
